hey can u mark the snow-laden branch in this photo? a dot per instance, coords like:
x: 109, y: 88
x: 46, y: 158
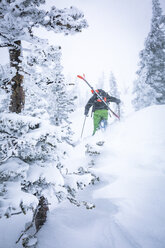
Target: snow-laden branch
x: 18, y: 20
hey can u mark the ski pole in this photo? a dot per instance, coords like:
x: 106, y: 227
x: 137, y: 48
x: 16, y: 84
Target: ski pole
x: 83, y: 127
x: 118, y: 110
x: 98, y: 96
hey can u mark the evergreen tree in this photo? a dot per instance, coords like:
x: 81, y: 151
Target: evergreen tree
x: 114, y: 90
x: 17, y: 22
x: 150, y: 84
x: 144, y: 94
x: 34, y: 140
x: 44, y: 72
x: 113, y: 86
x: 34, y: 145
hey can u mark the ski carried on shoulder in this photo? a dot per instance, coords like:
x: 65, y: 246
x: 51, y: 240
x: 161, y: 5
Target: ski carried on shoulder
x: 83, y: 78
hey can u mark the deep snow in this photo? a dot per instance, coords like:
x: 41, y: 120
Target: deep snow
x: 129, y: 198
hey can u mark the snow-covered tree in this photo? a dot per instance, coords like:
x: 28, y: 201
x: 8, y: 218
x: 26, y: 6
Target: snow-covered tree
x: 46, y: 91
x: 43, y: 70
x: 113, y: 91
x: 35, y: 144
x: 17, y: 22
x: 155, y: 46
x: 33, y: 167
x: 113, y: 88
x: 35, y: 139
x: 149, y: 87
x: 144, y: 94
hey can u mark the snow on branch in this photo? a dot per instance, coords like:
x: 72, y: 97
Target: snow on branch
x: 17, y: 20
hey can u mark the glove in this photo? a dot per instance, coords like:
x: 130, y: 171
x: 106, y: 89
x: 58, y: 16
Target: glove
x: 86, y: 114
x: 118, y: 101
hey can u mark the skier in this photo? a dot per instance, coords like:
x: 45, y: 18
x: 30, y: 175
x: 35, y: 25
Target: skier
x: 99, y: 108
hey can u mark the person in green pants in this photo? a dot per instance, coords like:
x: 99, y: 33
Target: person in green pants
x: 100, y: 109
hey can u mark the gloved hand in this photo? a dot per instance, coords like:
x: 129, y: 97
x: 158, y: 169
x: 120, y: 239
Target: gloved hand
x: 86, y: 114
x: 118, y: 102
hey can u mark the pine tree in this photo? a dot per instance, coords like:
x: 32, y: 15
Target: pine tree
x: 150, y: 84
x: 44, y: 72
x: 113, y: 90
x: 33, y: 141
x: 17, y: 22
x: 145, y: 95
x: 34, y: 145
x: 113, y: 86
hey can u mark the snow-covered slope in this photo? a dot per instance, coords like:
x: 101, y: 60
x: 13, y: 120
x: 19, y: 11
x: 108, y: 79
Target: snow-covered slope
x: 130, y: 198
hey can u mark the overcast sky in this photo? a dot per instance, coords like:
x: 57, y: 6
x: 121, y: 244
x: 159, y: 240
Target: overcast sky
x: 116, y: 34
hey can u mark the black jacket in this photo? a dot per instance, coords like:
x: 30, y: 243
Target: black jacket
x: 97, y: 103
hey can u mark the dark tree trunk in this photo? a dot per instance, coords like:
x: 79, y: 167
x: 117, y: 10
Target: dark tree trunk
x: 17, y: 96
x: 41, y: 215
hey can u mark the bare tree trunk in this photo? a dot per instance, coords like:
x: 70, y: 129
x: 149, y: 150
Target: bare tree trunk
x: 17, y: 96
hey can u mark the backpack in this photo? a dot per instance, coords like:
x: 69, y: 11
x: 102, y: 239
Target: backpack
x: 102, y: 93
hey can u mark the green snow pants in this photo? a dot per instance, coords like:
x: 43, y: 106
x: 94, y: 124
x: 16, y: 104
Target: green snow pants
x: 100, y: 114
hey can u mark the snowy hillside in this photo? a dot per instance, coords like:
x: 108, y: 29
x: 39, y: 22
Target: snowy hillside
x: 129, y: 199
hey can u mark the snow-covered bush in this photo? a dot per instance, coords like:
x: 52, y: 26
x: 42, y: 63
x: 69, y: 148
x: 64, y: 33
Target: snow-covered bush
x: 32, y: 156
